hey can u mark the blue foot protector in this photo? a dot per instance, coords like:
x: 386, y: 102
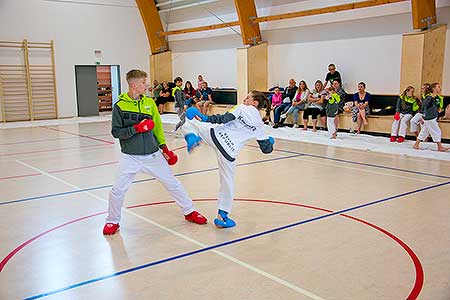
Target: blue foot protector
x: 224, y: 221
x: 192, y: 141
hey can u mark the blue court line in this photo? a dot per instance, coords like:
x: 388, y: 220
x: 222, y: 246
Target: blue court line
x: 176, y: 257
x: 360, y: 163
x: 143, y: 180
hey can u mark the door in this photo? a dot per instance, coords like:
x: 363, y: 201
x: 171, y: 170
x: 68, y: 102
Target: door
x: 87, y: 97
x: 115, y: 82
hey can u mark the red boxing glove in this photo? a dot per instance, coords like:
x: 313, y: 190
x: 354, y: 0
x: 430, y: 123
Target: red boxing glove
x: 144, y: 126
x: 397, y: 116
x: 173, y: 158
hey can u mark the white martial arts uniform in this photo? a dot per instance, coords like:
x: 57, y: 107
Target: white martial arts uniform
x: 403, y: 122
x: 415, y: 121
x: 331, y: 125
x: 227, y: 140
x: 430, y: 127
x: 153, y: 164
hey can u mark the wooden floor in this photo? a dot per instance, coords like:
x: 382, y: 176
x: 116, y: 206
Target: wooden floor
x: 313, y: 222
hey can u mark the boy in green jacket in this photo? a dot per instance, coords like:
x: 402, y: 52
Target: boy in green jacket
x: 137, y: 125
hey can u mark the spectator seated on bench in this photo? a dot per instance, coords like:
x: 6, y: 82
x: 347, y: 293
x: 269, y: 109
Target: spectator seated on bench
x: 361, y: 107
x: 165, y: 95
x: 204, y: 98
x: 298, y: 104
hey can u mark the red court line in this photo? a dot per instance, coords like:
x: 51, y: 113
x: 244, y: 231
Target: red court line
x: 85, y: 167
x: 55, y: 149
x: 80, y: 135
x: 48, y: 140
x: 20, y: 176
x: 73, y: 169
x: 62, y: 170
x: 418, y: 284
x: 21, y: 246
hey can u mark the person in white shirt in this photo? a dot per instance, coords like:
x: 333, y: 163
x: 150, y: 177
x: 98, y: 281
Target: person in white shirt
x: 298, y: 103
x: 237, y: 126
x: 315, y: 108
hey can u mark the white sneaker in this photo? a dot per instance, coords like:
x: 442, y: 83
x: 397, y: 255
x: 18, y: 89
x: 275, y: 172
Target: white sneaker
x: 296, y: 126
x: 283, y: 116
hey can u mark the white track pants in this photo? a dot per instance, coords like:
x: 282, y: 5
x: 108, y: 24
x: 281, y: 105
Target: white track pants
x: 331, y: 125
x: 226, y: 168
x: 415, y: 121
x: 403, y: 122
x: 155, y: 165
x: 430, y: 127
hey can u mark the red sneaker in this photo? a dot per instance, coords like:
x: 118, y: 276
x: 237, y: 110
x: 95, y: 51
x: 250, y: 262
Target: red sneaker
x: 400, y: 139
x: 196, y: 217
x: 393, y: 138
x: 110, y: 228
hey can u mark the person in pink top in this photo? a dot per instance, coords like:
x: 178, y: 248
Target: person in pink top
x: 277, y: 99
x: 200, y: 81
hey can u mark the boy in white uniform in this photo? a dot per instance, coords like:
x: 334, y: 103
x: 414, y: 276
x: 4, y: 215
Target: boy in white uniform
x: 137, y: 125
x: 241, y: 124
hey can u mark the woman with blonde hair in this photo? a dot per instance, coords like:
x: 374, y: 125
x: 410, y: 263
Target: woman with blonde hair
x: 405, y: 109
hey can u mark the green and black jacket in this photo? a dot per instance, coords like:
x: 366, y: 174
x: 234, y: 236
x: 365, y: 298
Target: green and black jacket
x: 407, y: 105
x: 128, y: 112
x: 332, y: 108
x: 179, y: 96
x: 431, y: 106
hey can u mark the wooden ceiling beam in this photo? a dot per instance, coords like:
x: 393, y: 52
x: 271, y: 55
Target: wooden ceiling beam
x: 153, y: 25
x: 310, y: 12
x: 423, y: 13
x: 201, y: 28
x: 326, y: 10
x: 246, y: 10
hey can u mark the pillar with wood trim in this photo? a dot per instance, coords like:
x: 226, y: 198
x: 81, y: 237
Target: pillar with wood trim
x: 423, y: 56
x: 161, y: 67
x: 252, y: 69
x: 161, y: 58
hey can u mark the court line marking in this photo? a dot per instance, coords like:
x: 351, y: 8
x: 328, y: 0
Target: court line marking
x: 365, y: 170
x: 52, y: 154
x: 182, y: 236
x: 77, y: 134
x: 248, y: 149
x: 50, y: 140
x: 358, y: 169
x: 60, y: 170
x: 418, y: 284
x: 359, y: 163
x: 72, y: 169
x: 416, y: 159
x: 339, y: 212
x: 187, y: 173
x: 142, y: 180
x: 53, y: 150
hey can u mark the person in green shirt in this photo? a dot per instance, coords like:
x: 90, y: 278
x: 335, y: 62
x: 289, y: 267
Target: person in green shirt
x: 156, y: 89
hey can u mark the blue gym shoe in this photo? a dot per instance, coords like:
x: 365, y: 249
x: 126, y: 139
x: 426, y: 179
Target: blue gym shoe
x: 192, y: 141
x: 224, y: 221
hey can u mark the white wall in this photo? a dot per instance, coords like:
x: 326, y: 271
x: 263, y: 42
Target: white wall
x: 220, y: 72
x: 113, y: 26
x: 378, y: 67
x: 365, y: 45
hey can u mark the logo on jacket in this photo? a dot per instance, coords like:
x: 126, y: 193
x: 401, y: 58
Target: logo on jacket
x: 242, y: 121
